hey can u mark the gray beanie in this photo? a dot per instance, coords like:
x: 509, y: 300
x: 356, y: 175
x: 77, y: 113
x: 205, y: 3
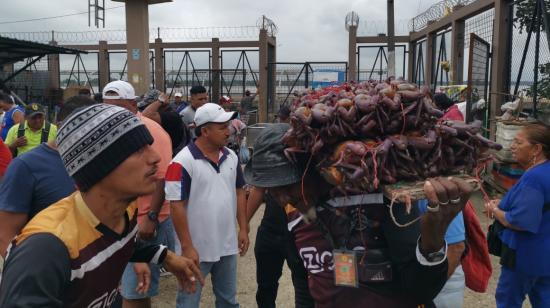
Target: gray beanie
x: 93, y: 141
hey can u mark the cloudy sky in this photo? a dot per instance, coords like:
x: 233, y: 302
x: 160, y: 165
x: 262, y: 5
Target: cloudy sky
x: 308, y: 30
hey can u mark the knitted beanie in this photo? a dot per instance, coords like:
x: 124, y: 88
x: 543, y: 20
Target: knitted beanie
x: 93, y: 141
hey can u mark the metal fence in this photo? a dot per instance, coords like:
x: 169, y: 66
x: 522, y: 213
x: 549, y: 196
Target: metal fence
x: 294, y: 77
x: 442, y: 45
x: 530, y: 55
x: 372, y: 62
x: 419, y: 62
x: 186, y: 68
x: 240, y: 72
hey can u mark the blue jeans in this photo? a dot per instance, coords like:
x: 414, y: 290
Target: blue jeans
x: 165, y: 236
x: 224, y: 284
x: 452, y: 294
x: 513, y: 286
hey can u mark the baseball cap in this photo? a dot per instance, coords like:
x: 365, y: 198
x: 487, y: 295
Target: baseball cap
x: 178, y: 94
x: 34, y: 109
x: 149, y: 97
x: 212, y: 113
x: 122, y: 88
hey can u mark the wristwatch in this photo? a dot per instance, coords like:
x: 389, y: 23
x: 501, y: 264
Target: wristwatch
x: 435, y: 256
x: 153, y: 216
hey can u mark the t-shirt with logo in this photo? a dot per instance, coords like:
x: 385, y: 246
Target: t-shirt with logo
x: 65, y: 257
x: 410, y: 282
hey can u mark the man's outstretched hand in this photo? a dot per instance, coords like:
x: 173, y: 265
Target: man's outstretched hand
x: 186, y: 271
x: 446, y: 197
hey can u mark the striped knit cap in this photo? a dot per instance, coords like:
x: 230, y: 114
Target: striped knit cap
x: 93, y: 141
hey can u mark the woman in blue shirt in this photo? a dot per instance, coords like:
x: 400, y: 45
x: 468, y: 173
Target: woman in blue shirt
x: 524, y: 212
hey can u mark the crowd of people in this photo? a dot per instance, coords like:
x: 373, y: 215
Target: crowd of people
x: 94, y: 207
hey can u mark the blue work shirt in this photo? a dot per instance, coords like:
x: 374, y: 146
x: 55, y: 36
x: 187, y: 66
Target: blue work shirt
x: 34, y: 181
x: 523, y: 205
x: 455, y: 232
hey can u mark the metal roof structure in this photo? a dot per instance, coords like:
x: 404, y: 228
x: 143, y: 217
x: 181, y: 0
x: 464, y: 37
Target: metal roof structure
x: 14, y: 50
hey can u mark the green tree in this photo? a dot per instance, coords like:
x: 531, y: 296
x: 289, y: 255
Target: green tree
x: 524, y: 15
x: 522, y: 21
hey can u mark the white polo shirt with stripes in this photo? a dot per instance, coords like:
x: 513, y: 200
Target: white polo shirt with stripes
x: 210, y: 190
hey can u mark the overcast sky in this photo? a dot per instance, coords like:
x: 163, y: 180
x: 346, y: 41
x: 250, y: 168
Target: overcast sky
x: 309, y: 30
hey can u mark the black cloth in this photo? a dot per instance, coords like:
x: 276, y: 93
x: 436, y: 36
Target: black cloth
x: 274, y: 219
x: 274, y: 245
x: 172, y: 124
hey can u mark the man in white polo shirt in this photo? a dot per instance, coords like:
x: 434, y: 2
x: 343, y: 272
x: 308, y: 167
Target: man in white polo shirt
x: 204, y: 184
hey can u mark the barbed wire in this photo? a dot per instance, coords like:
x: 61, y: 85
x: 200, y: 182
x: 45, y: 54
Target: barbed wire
x: 265, y: 23
x: 167, y: 34
x: 436, y: 12
x: 374, y: 27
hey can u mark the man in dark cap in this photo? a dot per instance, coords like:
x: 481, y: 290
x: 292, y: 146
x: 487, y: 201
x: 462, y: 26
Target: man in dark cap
x: 274, y: 243
x: 29, y: 134
x: 355, y: 240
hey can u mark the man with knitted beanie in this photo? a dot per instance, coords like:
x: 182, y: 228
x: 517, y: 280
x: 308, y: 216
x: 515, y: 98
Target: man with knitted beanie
x: 73, y: 253
x: 155, y: 224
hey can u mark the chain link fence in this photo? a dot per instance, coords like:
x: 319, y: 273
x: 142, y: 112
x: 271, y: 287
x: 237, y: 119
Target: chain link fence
x: 525, y: 84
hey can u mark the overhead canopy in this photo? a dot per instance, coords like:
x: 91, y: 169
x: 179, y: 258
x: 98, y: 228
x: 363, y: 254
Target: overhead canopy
x: 13, y: 50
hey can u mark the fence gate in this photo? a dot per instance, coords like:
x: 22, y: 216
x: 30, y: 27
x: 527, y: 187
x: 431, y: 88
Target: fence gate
x: 239, y: 72
x: 298, y: 76
x: 441, y: 64
x: 419, y: 58
x: 372, y: 62
x: 478, y: 73
x: 80, y: 73
x: 186, y: 68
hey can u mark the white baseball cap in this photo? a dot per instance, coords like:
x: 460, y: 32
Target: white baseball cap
x: 178, y: 94
x: 212, y: 113
x: 120, y: 87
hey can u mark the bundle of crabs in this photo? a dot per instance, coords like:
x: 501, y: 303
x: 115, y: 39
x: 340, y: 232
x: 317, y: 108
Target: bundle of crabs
x: 363, y: 135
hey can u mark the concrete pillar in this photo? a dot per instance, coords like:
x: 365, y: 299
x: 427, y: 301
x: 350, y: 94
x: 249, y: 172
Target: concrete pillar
x: 159, y: 65
x: 216, y: 71
x: 411, y: 61
x: 103, y: 64
x: 264, y: 79
x: 457, y: 51
x: 352, y: 53
x: 430, y: 59
x: 137, y: 36
x: 500, y: 61
x: 53, y: 69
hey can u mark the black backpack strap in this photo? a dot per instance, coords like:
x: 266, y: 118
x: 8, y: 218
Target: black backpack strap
x: 45, y: 132
x: 20, y: 133
x: 546, y: 207
x: 21, y: 130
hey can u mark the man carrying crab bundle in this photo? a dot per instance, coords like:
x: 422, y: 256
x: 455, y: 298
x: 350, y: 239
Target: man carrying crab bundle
x: 359, y: 252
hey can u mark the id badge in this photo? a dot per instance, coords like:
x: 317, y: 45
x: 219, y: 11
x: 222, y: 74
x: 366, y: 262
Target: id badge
x: 345, y: 268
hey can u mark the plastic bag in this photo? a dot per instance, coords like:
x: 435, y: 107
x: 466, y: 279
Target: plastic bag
x: 244, y: 153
